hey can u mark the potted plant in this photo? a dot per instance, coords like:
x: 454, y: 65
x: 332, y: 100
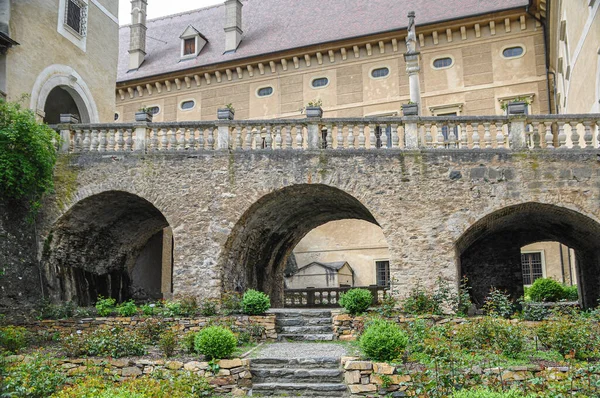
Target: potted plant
x: 516, y: 106
x: 410, y: 109
x: 314, y: 108
x: 144, y: 115
x: 226, y: 113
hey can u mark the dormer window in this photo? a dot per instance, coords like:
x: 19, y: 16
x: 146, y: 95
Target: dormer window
x: 192, y: 43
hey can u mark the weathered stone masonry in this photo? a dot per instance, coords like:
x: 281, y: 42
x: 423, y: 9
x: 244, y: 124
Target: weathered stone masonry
x: 424, y: 201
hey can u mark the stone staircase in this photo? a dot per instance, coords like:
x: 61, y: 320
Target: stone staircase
x: 293, y: 377
x: 304, y: 325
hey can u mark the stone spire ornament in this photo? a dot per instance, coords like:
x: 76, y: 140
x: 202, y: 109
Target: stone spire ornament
x: 412, y: 61
x: 411, y: 37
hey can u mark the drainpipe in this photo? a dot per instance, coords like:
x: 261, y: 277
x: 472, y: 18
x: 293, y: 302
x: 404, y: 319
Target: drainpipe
x: 545, y: 32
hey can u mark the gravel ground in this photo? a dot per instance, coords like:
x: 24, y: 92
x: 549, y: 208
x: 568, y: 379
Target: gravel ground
x: 301, y: 350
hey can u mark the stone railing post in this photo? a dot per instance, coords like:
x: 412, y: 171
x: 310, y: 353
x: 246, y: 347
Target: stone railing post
x: 223, y: 128
x: 141, y: 134
x: 66, y: 119
x: 411, y: 133
x: 313, y: 133
x: 517, y: 134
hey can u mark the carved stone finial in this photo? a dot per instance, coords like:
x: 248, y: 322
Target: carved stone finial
x: 411, y: 37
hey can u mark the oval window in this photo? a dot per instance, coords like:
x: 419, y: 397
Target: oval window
x: 265, y: 91
x: 513, y: 52
x: 116, y: 116
x: 154, y: 110
x: 186, y: 105
x: 441, y: 63
x: 380, y: 72
x: 319, y: 82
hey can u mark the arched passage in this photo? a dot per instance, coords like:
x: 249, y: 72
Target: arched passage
x: 112, y: 244
x: 490, y: 250
x: 261, y: 242
x: 61, y: 101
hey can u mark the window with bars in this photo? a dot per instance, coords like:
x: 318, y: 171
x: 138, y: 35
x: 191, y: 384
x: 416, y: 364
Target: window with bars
x: 75, y: 16
x: 532, y: 266
x: 382, y: 271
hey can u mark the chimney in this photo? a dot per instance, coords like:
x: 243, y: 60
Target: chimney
x: 233, y: 25
x: 137, y: 41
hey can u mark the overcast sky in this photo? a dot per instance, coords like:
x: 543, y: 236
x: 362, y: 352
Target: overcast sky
x: 159, y: 8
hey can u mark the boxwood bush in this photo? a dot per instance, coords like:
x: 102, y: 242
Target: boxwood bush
x: 215, y: 342
x: 356, y: 301
x: 255, y: 303
x: 546, y: 289
x: 383, y: 340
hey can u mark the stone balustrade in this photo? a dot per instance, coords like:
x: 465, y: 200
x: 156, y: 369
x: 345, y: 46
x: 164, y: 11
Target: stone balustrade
x: 516, y: 132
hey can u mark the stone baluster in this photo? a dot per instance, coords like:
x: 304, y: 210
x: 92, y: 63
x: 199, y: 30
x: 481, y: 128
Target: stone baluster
x: 268, y: 138
x: 128, y: 140
x: 278, y: 140
x: 299, y: 137
x: 258, y: 143
x: 248, y: 139
x: 562, y: 136
x: 201, y: 141
x: 428, y: 136
x: 237, y: 137
x: 588, y: 137
x: 548, y: 137
x: 500, y: 141
x: 372, y: 138
x: 162, y: 139
x: 452, y: 138
x: 210, y: 140
x: 94, y: 141
x: 286, y: 136
x: 86, y: 141
x: 154, y: 140
x: 395, y: 137
x: 575, y: 135
x: 350, y: 139
x: 464, y: 138
x: 191, y: 138
x: 384, y: 136
x: 535, y: 136
x: 329, y: 137
x: 180, y: 138
x: 440, y: 139
x: 102, y: 140
x: 339, y: 136
x: 78, y: 141
x: 361, y: 136
x: 476, y: 138
x: 110, y: 140
x: 598, y: 133
x: 487, y: 136
x: 172, y: 140
x: 120, y: 143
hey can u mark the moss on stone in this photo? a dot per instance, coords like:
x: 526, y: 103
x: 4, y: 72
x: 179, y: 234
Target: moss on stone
x: 65, y: 180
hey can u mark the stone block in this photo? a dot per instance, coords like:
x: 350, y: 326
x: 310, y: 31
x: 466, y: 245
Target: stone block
x: 131, y: 371
x: 383, y: 368
x: 347, y: 337
x: 360, y: 388
x: 119, y: 363
x: 352, y: 377
x: 230, y: 363
x: 174, y: 365
x: 358, y: 365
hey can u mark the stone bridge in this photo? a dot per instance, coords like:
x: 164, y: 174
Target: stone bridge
x: 238, y: 203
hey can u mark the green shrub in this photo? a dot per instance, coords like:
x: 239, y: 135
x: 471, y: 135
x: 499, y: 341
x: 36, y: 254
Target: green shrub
x: 356, y: 301
x: 188, y: 306
x: 546, y: 289
x: 48, y: 310
x: 171, y: 309
x: 167, y: 343
x: 571, y: 335
x: 188, y: 343
x: 571, y: 293
x: 36, y: 378
x: 27, y: 155
x: 208, y: 308
x: 420, y: 301
x: 383, y: 340
x: 487, y: 393
x: 534, y: 312
x: 113, y: 342
x: 105, y: 306
x: 151, y: 328
x: 127, y: 308
x: 387, y: 308
x: 215, y: 342
x: 148, y: 309
x: 13, y: 338
x: 255, y: 303
x: 499, y: 304
x: 231, y: 303
x: 491, y: 334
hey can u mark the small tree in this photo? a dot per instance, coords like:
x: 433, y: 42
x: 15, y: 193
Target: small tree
x: 27, y: 155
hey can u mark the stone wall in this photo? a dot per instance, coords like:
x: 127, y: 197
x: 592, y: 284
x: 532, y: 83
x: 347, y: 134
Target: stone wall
x: 234, y: 375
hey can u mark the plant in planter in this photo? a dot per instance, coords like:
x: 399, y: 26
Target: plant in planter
x: 516, y: 106
x: 410, y: 109
x: 226, y: 113
x: 314, y: 108
x: 144, y: 114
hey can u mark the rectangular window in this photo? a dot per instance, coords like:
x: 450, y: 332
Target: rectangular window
x: 189, y: 46
x: 531, y: 264
x: 382, y: 270
x: 74, y: 16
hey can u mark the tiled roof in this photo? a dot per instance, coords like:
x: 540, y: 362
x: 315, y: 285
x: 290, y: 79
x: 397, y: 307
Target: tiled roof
x: 276, y: 25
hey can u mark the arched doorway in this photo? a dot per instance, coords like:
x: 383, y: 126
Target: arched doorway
x: 60, y: 101
x: 114, y: 244
x: 258, y: 249
x: 490, y: 251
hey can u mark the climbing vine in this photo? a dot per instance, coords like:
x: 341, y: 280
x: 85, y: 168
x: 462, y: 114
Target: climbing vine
x: 27, y: 155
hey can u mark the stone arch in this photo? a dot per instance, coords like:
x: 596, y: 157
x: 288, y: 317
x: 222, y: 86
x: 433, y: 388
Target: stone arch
x: 259, y: 245
x: 489, y: 251
x: 67, y: 79
x: 110, y: 243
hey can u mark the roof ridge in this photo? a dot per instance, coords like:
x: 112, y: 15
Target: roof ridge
x: 179, y: 14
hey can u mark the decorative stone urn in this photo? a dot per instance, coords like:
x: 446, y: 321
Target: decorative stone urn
x: 314, y: 111
x: 143, y: 116
x: 410, y: 109
x: 225, y: 114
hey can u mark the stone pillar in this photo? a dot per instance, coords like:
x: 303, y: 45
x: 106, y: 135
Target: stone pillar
x: 141, y: 133
x: 223, y: 137
x: 411, y: 133
x: 167, y: 263
x: 137, y: 33
x: 66, y: 119
x: 517, y: 132
x: 412, y: 62
x: 313, y: 133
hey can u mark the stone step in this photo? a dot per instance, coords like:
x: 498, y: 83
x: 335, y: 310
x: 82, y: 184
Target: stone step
x: 295, y: 363
x: 305, y: 337
x: 303, y: 321
x: 303, y: 389
x: 305, y: 329
x: 304, y: 314
x: 287, y: 375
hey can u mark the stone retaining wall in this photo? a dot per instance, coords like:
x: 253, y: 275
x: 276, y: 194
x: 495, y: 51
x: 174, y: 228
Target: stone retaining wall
x: 181, y: 325
x: 369, y: 378
x: 234, y: 375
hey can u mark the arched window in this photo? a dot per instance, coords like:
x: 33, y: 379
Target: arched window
x: 442, y: 63
x: 319, y: 82
x: 513, y: 52
x: 379, y: 73
x: 264, y: 91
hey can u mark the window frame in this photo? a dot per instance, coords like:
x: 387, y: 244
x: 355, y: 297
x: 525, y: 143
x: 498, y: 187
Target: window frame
x: 514, y: 45
x: 542, y: 261
x: 387, y: 272
x: 312, y: 81
x: 187, y: 100
x: 373, y: 69
x: 440, y: 57
x: 155, y: 106
x: 79, y: 39
x: 262, y: 88
x: 187, y: 40
x: 117, y: 116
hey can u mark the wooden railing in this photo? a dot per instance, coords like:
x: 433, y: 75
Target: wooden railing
x: 325, y: 297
